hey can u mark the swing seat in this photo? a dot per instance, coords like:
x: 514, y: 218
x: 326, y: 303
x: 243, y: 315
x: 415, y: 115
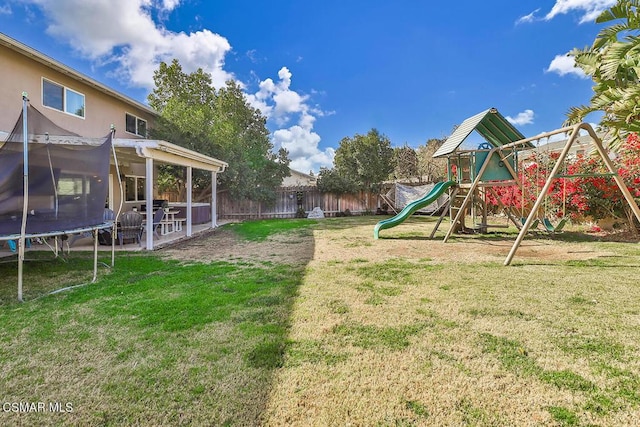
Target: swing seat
x: 554, y: 229
x: 561, y: 225
x: 534, y: 224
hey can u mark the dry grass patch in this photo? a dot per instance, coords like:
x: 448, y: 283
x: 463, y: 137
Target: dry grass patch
x: 224, y: 244
x: 409, y: 331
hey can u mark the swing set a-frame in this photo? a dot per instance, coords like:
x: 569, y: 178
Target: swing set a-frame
x: 495, y: 163
x: 574, y: 131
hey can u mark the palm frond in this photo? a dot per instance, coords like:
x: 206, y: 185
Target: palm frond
x: 618, y: 11
x: 587, y: 61
x: 614, y: 59
x: 609, y: 35
x: 576, y: 115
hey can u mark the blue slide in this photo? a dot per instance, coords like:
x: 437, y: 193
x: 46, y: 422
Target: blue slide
x: 437, y: 191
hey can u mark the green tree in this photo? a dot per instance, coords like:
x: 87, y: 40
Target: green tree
x: 365, y: 160
x: 330, y: 181
x: 406, y: 162
x: 186, y: 104
x: 220, y: 124
x: 613, y: 62
x: 254, y: 171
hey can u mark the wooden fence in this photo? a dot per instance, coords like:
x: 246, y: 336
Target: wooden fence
x: 289, y: 199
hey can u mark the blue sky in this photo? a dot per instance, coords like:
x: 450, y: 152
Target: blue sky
x: 324, y: 70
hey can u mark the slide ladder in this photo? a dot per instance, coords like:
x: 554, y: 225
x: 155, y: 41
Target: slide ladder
x: 433, y: 195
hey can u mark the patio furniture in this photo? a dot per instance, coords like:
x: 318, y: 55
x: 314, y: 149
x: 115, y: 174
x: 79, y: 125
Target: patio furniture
x: 107, y: 216
x: 172, y: 221
x: 130, y: 227
x: 104, y: 236
x: 157, y: 221
x: 177, y: 222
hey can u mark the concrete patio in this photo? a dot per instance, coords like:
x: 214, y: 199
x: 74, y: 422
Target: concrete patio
x: 86, y: 243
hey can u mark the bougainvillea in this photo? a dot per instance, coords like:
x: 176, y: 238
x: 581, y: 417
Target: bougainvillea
x: 587, y: 193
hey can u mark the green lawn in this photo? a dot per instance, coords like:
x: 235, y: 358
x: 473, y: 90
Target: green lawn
x: 154, y: 342
x: 399, y: 331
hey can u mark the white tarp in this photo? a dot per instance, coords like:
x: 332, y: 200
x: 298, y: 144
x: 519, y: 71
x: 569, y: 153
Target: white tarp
x: 404, y: 194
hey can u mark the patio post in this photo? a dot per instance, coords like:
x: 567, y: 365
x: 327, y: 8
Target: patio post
x: 214, y: 199
x: 189, y: 198
x: 149, y: 199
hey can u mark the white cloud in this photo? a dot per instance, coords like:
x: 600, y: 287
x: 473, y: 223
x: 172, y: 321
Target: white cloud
x: 169, y: 5
x: 285, y: 101
x: 527, y: 18
x: 281, y: 104
x: 523, y: 118
x: 589, y: 9
x: 564, y: 65
x: 128, y: 36
x: 297, y: 140
x: 5, y: 9
x: 302, y: 145
x: 252, y: 55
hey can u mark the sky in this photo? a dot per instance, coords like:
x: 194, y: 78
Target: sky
x: 321, y: 71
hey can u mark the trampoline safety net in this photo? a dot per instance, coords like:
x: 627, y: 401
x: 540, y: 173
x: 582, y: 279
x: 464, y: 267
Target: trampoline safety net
x: 68, y: 184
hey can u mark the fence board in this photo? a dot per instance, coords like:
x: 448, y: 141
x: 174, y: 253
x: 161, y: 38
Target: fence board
x: 286, y: 204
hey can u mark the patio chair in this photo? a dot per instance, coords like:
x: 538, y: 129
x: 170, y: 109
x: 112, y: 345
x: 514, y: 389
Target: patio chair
x: 104, y: 235
x: 157, y: 220
x: 107, y: 216
x: 130, y: 227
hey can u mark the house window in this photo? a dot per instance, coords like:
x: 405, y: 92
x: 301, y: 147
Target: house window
x: 70, y: 186
x: 136, y: 125
x: 134, y: 188
x: 62, y: 98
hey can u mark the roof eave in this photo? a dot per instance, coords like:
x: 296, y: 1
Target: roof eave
x: 171, y: 153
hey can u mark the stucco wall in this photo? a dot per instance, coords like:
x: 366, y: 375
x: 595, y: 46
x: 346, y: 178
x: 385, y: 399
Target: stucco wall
x: 297, y: 179
x: 20, y: 73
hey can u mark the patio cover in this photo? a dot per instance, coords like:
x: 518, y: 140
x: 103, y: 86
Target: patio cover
x: 151, y: 151
x: 490, y: 124
x: 137, y: 150
x: 148, y: 152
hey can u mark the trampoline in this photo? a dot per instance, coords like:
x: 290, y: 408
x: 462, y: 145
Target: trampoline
x: 51, y: 190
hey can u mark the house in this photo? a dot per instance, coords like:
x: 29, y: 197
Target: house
x: 582, y: 146
x: 299, y: 179
x: 90, y: 109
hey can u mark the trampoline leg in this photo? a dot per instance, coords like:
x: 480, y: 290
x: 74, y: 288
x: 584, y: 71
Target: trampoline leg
x: 95, y: 255
x: 20, y: 263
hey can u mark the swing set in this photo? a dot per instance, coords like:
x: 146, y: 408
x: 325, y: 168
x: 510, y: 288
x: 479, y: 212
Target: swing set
x: 473, y: 175
x: 478, y: 171
x: 574, y: 131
